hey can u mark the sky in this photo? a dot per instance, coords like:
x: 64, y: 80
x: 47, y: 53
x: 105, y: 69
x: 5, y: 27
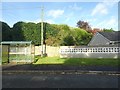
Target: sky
x: 97, y: 14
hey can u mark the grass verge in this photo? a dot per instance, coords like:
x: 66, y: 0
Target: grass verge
x: 77, y: 61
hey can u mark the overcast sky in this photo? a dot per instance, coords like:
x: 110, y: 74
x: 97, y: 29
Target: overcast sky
x: 98, y: 14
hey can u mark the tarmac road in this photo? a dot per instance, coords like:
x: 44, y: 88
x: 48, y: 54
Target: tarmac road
x: 36, y: 80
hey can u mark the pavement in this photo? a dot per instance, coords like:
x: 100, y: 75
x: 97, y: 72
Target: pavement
x: 59, y: 69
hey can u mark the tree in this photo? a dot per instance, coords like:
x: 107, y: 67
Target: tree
x: 80, y: 36
x: 32, y: 32
x: 108, y: 30
x: 18, y: 31
x: 6, y: 32
x: 68, y: 41
x: 27, y: 32
x: 64, y: 35
x: 54, y: 35
x: 84, y: 25
x: 52, y: 31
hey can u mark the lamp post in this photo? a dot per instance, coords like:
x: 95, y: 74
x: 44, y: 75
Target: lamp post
x: 42, y: 31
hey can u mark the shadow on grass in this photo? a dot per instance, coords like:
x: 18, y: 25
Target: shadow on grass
x: 69, y: 64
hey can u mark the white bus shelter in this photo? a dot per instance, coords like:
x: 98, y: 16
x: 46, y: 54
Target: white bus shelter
x: 16, y: 51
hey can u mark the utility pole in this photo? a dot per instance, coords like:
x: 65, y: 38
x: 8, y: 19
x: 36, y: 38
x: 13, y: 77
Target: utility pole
x: 42, y: 31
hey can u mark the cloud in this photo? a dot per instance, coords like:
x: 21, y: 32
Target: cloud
x: 34, y: 21
x: 111, y: 1
x: 91, y: 20
x: 50, y: 21
x: 55, y: 13
x: 39, y: 20
x: 102, y: 8
x: 75, y: 7
x: 69, y: 16
x: 111, y: 23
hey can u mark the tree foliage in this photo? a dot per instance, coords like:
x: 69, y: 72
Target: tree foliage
x: 6, y: 32
x: 80, y: 36
x: 54, y: 35
x: 108, y: 30
x: 84, y: 25
x: 17, y: 31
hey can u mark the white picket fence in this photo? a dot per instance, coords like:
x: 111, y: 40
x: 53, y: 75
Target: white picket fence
x: 89, y: 52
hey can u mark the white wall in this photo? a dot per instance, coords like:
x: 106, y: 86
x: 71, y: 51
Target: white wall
x: 89, y: 52
x: 80, y: 52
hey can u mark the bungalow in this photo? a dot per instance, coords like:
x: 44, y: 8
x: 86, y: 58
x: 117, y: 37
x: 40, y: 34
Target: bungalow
x: 105, y: 39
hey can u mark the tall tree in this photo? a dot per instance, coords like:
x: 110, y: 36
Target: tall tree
x: 32, y: 32
x: 80, y: 36
x: 18, y: 31
x: 54, y: 35
x: 84, y: 25
x: 6, y: 32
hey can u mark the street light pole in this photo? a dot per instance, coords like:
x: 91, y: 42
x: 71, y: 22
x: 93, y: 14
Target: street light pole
x: 42, y: 31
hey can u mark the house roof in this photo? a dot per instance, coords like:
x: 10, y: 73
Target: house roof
x: 112, y: 36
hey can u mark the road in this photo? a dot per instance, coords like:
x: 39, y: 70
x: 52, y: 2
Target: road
x: 36, y: 80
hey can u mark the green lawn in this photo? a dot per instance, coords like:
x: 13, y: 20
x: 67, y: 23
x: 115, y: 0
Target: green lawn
x: 73, y: 61
x: 76, y: 61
